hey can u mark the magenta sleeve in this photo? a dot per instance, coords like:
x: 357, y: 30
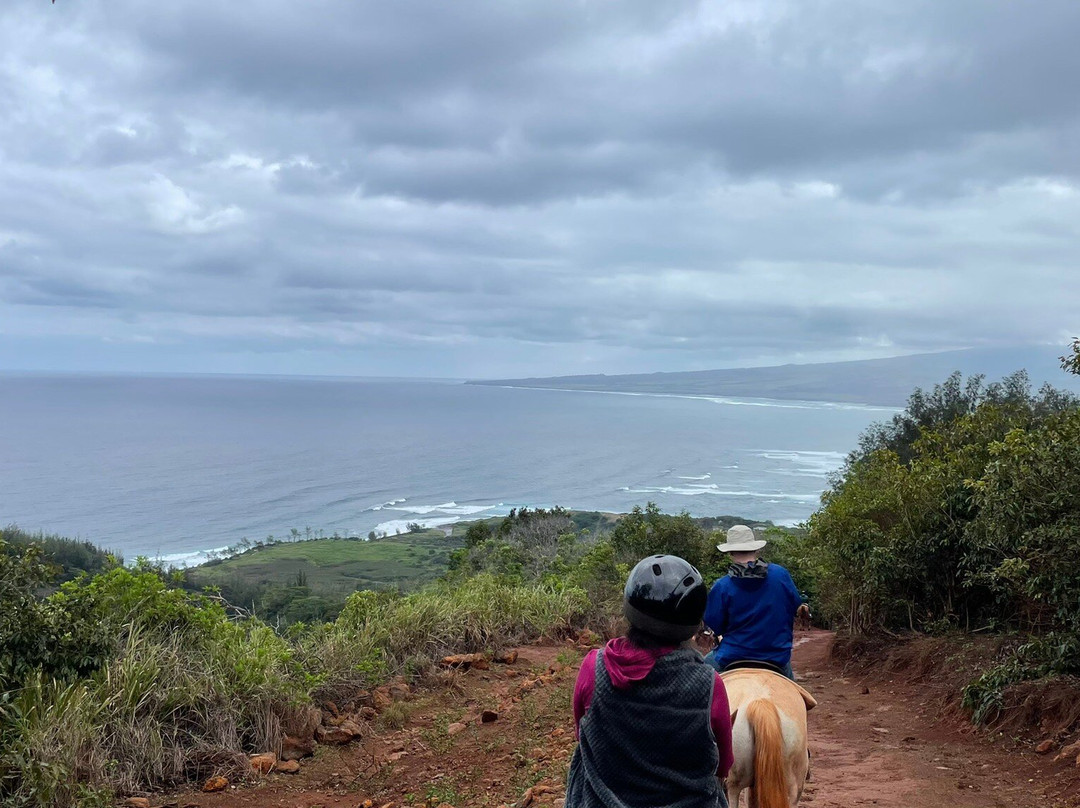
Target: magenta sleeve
x: 584, y: 687
x: 720, y: 718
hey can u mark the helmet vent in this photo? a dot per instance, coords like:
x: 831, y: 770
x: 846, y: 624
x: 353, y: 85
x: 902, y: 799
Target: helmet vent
x: 656, y: 569
x: 688, y: 580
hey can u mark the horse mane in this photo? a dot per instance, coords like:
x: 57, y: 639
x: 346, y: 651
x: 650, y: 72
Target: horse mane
x: 770, y: 786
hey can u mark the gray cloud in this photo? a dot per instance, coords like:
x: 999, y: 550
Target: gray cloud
x: 470, y: 189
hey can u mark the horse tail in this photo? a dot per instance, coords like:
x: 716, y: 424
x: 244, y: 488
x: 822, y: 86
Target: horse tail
x: 770, y: 784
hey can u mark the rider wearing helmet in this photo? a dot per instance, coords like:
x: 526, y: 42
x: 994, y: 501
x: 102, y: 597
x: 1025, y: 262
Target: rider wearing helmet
x: 652, y: 718
x: 753, y: 607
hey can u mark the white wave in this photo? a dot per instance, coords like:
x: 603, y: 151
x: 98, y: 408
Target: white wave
x: 697, y: 490
x: 191, y: 558
x: 701, y: 477
x: 389, y: 504
x: 783, y: 404
x: 806, y: 463
x: 446, y: 508
x: 395, y: 526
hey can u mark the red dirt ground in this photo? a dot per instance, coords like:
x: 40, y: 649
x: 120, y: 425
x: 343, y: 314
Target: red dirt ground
x: 875, y: 742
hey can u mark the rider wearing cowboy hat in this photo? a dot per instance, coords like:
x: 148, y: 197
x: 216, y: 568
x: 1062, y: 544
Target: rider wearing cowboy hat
x: 753, y: 607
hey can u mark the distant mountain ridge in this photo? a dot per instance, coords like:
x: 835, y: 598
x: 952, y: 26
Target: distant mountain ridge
x: 884, y: 382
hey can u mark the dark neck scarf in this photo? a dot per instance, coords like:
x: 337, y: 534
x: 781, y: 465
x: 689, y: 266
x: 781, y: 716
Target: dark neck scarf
x: 755, y: 569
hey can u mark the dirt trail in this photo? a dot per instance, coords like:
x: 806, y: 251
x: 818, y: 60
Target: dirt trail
x: 875, y: 742
x: 884, y: 742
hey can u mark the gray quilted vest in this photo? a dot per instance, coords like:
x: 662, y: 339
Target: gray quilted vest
x: 651, y: 745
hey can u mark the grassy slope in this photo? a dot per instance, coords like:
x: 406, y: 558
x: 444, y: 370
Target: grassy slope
x: 341, y: 565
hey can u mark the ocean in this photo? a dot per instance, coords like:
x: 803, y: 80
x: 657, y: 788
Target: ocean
x: 170, y: 467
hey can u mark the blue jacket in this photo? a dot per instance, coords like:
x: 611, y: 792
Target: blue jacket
x: 755, y: 617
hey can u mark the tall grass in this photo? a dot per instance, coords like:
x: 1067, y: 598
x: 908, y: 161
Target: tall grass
x: 378, y: 634
x: 167, y: 708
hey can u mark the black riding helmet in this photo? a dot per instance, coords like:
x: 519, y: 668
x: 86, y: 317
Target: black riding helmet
x: 665, y: 596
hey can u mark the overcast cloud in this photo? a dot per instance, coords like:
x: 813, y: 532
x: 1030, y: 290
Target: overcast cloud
x: 439, y: 188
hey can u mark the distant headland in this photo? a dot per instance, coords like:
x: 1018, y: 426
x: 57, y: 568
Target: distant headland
x: 882, y: 382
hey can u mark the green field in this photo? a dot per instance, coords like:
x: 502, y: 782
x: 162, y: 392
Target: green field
x: 338, y: 566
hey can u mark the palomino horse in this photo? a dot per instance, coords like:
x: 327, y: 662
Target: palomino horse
x: 768, y: 734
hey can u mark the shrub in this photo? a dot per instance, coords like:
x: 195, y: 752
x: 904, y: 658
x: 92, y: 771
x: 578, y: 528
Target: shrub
x: 173, y: 687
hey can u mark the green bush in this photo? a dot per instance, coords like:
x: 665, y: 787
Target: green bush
x: 898, y: 541
x: 143, y: 685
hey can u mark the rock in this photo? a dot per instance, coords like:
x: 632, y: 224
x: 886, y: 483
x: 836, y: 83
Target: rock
x: 478, y: 661
x: 136, y: 802
x: 381, y: 697
x: 215, y: 784
x: 1044, y: 747
x: 368, y: 803
x: 532, y: 793
x: 455, y: 728
x: 488, y: 716
x: 287, y: 767
x: 507, y: 657
x: 399, y: 691
x: 263, y: 763
x: 865, y: 691
x: 1072, y: 750
x: 296, y: 748
x: 368, y: 713
x: 587, y: 637
x: 341, y: 734
x: 445, y: 805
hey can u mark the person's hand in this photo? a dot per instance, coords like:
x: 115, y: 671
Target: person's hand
x: 705, y: 640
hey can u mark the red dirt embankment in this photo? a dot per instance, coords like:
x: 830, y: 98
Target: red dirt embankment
x: 876, y: 741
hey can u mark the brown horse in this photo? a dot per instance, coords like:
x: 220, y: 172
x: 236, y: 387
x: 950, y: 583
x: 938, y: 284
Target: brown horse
x: 768, y: 734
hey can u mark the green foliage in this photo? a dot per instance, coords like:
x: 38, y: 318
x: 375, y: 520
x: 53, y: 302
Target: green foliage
x: 788, y: 548
x: 72, y: 557
x: 139, y: 683
x: 527, y: 545
x: 24, y: 625
x: 1053, y: 654
x: 898, y: 541
x: 600, y: 577
x: 1028, y: 525
x: 644, y: 532
x: 1070, y: 362
x: 948, y: 403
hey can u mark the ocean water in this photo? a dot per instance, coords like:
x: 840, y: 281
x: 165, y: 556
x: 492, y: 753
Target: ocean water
x: 172, y: 467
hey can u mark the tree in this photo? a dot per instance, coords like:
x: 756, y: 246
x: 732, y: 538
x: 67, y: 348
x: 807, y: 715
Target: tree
x: 1071, y: 362
x: 644, y: 532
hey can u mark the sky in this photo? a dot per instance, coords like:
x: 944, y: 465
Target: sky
x: 465, y: 189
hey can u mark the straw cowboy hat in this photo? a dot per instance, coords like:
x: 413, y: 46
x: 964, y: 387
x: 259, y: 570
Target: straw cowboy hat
x: 740, y: 539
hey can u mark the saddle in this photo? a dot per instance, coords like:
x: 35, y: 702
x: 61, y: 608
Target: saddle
x: 756, y: 664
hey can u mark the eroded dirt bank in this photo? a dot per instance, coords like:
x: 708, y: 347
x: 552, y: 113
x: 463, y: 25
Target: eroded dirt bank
x: 876, y: 742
